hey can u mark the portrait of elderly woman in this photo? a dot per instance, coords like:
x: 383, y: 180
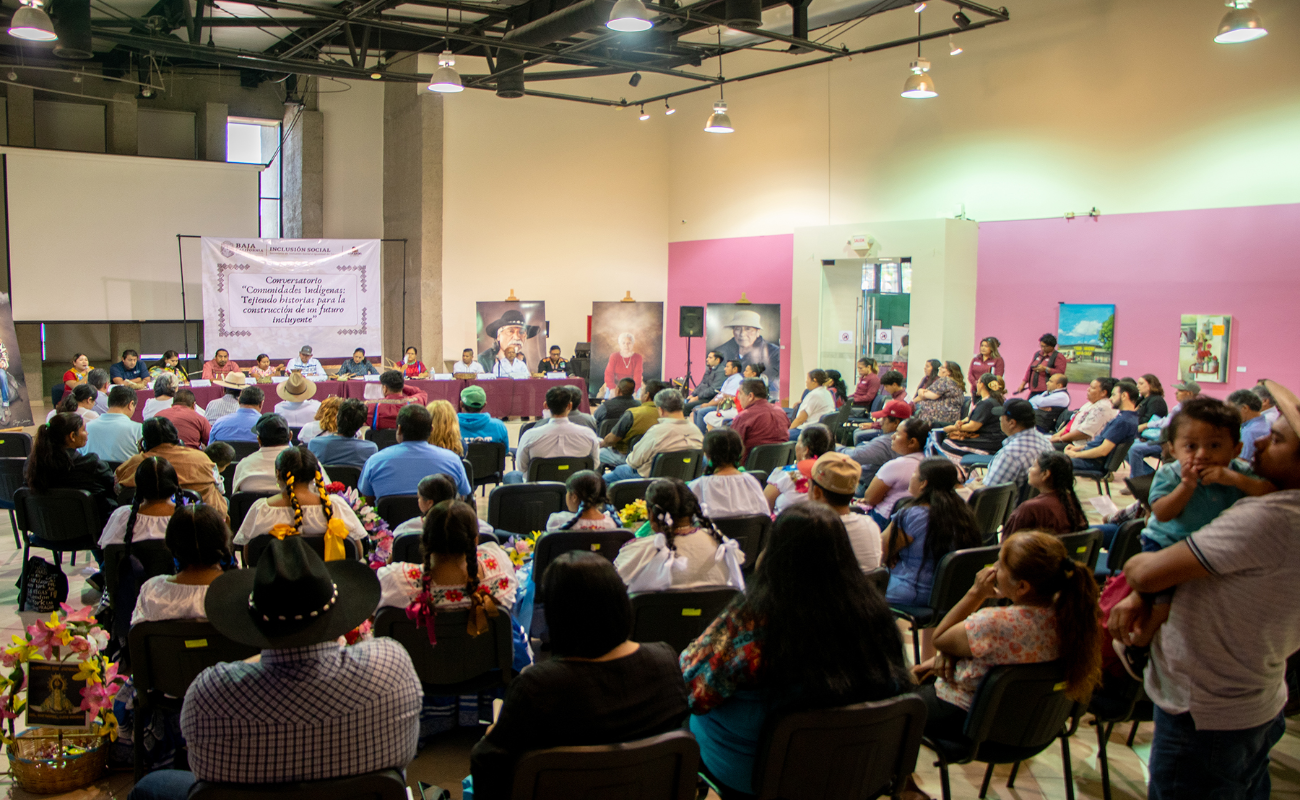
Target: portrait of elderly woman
x: 626, y: 342
x: 749, y: 333
x: 624, y: 362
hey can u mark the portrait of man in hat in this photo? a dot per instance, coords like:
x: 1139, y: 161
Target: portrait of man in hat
x: 502, y: 325
x: 747, y: 332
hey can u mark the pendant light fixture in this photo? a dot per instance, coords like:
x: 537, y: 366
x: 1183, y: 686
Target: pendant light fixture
x: 954, y: 49
x: 1241, y: 24
x: 668, y: 110
x: 920, y: 85
x: 446, y: 80
x: 643, y: 116
x: 32, y: 23
x: 629, y: 16
x: 719, y: 122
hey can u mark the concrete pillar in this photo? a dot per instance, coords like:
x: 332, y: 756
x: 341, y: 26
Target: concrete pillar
x: 122, y: 126
x: 22, y: 116
x: 210, y: 130
x: 29, y: 348
x: 303, y: 191
x: 413, y: 129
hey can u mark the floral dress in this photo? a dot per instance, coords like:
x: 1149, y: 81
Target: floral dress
x: 947, y: 409
x: 997, y: 636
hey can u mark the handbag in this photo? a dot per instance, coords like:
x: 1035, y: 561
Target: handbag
x: 46, y: 586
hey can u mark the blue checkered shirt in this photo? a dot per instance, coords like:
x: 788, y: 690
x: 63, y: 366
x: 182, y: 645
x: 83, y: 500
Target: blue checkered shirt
x: 304, y: 713
x: 1019, y: 452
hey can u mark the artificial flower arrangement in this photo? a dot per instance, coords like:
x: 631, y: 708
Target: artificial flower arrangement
x: 521, y: 547
x: 634, y: 513
x: 380, y: 535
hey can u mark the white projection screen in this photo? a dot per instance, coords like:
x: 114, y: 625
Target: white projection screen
x: 93, y: 237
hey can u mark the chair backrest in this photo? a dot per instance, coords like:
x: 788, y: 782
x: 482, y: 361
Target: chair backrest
x: 684, y: 464
x: 1064, y: 419
x: 469, y: 472
x: 345, y: 474
x: 241, y: 503
x: 1020, y: 706
x: 406, y: 548
x: 878, y: 577
x: 458, y: 659
x: 625, y: 493
x: 398, y: 508
x: 293, y: 434
x: 990, y: 506
x: 57, y: 515
x: 1045, y: 418
x: 11, y: 478
x: 488, y: 460
x: 1117, y: 456
x: 678, y: 616
x: 167, y: 656
x: 770, y: 457
x: 244, y: 449
x: 253, y: 550
x: 228, y: 479
x: 661, y: 767
x: 1140, y: 487
x: 386, y: 784
x: 965, y: 407
x: 524, y: 507
x: 1084, y: 546
x: 606, y: 427
x: 760, y: 475
x: 955, y: 574
x: 15, y: 445
x: 154, y: 557
x: 555, y: 543
x: 749, y: 531
x: 382, y: 437
x: 556, y: 469
x: 848, y: 753
x: 1126, y: 543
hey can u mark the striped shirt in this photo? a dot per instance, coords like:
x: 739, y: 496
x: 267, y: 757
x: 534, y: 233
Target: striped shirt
x: 304, y: 713
x: 1019, y: 452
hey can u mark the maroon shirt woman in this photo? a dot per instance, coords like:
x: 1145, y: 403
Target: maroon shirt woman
x: 988, y: 360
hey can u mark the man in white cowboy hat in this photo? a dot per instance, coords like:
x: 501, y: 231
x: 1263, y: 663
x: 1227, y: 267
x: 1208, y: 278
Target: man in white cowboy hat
x: 747, y: 345
x: 509, y: 329
x: 228, y: 403
x: 296, y: 405
x: 309, y: 708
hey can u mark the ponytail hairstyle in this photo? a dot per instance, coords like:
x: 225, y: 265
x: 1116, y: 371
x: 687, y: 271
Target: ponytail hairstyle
x: 50, y: 457
x: 837, y: 384
x: 987, y: 380
x: 1061, y: 469
x: 669, y: 501
x: 155, y: 479
x: 297, y: 465
x: 817, y: 440
x: 1041, y: 560
x: 870, y: 364
x: 993, y: 343
x: 72, y: 400
x: 589, y: 488
x: 198, y: 536
x: 952, y: 524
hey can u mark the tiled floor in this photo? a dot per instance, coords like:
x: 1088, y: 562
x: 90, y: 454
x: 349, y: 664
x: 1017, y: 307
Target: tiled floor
x: 446, y: 761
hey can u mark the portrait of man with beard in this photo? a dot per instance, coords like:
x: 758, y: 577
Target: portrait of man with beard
x: 509, y: 329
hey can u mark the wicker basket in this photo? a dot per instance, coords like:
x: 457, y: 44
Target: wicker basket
x: 61, y: 773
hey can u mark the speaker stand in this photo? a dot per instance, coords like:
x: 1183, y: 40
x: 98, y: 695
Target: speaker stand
x: 690, y: 379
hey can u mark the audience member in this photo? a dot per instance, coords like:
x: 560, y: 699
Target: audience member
x: 302, y: 506
x: 1022, y: 447
x: 560, y: 439
x: 987, y: 362
x: 467, y: 364
x: 170, y: 363
x: 98, y: 380
x: 431, y: 491
x: 893, y: 479
x: 685, y: 551
x: 875, y: 453
x: 157, y: 495
x: 599, y: 687
x: 1270, y: 410
x: 220, y: 366
x: 398, y: 469
x: 342, y: 445
x: 412, y: 367
x: 129, y: 371
x: 940, y: 402
x: 710, y: 382
x: 588, y: 506
x: 1148, y: 444
x: 724, y: 491
x: 929, y: 374
x: 891, y: 388
x: 164, y: 391
x: 834, y: 481
x: 222, y: 455
x: 382, y: 414
x: 1057, y: 395
x: 262, y: 370
x: 77, y: 374
x: 760, y: 422
x: 296, y: 404
x: 476, y: 425
x: 673, y: 432
x: 195, y: 470
x: 1045, y: 363
x: 1153, y: 399
x: 835, y: 385
x: 1254, y: 425
x: 79, y: 400
x: 817, y: 403
x: 631, y: 426
x: 238, y: 426
x: 979, y: 433
x: 356, y: 367
x: 731, y: 380
x: 1092, y: 417
x: 864, y: 394
x: 193, y: 428
x: 446, y: 427
x: 306, y: 364
x: 54, y: 463
x: 114, y: 436
x: 624, y: 399
x: 1056, y: 508
x: 1119, y: 431
x: 199, y: 540
x: 324, y: 421
x: 234, y: 385
x: 789, y: 484
x: 576, y: 415
x: 754, y: 659
x: 256, y: 472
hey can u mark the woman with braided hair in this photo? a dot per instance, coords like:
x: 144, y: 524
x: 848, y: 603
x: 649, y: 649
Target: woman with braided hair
x: 684, y: 551
x: 589, y: 508
x: 157, y: 494
x: 302, y: 506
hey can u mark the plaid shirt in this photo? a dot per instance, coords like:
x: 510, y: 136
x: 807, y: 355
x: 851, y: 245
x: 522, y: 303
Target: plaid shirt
x: 1019, y: 452
x: 304, y: 713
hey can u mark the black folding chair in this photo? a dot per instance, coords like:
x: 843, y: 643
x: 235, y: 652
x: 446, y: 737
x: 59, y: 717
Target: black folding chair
x: 154, y: 557
x: 488, y: 460
x: 398, y: 508
x: 624, y: 493
x: 59, y: 520
x: 661, y: 767
x: 524, y: 507
x: 677, y: 616
x: 459, y: 663
x: 555, y: 543
x: 228, y: 480
x: 878, y: 577
x: 244, y: 449
x: 1113, y: 462
x: 386, y: 784
x: 953, y: 577
x: 990, y: 503
x: 11, y: 480
x: 1140, y: 488
x: 345, y: 474
x: 1045, y: 418
x: 1084, y: 546
x: 770, y: 457
x: 759, y: 475
x: 686, y: 465
x: 241, y: 503
x: 750, y: 532
x: 293, y: 434
x: 166, y: 657
x: 1017, y: 712
x: 556, y: 469
x: 15, y: 444
x: 1062, y: 420
x: 853, y: 752
x: 382, y: 437
x: 606, y: 427
x: 1119, y: 699
x: 253, y: 550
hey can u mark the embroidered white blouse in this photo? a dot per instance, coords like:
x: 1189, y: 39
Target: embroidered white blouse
x: 649, y: 565
x: 400, y: 583
x: 262, y: 518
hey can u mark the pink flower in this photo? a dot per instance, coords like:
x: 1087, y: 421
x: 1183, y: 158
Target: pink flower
x: 84, y: 614
x: 83, y: 647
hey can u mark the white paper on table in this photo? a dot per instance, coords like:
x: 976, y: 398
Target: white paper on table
x: 372, y: 379
x: 199, y: 383
x: 279, y: 378
x: 485, y: 377
x: 442, y: 376
x: 557, y: 375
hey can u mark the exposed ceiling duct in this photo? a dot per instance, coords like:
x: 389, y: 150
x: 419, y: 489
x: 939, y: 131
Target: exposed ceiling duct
x: 745, y: 15
x: 72, y: 23
x: 583, y: 15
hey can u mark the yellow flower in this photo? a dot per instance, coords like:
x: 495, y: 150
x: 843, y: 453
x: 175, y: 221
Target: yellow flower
x: 88, y: 671
x: 108, y: 726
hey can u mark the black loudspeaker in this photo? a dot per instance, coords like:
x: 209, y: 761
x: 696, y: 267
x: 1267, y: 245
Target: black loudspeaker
x: 692, y: 321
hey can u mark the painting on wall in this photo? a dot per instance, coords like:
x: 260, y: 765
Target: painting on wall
x: 1203, y: 347
x: 746, y: 332
x: 627, y: 341
x: 1086, y: 337
x: 518, y: 324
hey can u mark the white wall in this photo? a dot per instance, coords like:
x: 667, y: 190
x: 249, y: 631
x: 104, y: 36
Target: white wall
x: 354, y: 159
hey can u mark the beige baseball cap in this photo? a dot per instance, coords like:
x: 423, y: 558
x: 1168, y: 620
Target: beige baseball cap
x: 836, y: 472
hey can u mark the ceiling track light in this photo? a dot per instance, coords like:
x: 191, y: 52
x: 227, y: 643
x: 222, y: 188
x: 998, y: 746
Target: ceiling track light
x: 1241, y: 24
x: 445, y: 79
x: 32, y: 23
x: 668, y: 110
x: 719, y: 121
x: 919, y: 7
x: 954, y: 49
x: 629, y: 16
x: 644, y: 116
x: 961, y: 20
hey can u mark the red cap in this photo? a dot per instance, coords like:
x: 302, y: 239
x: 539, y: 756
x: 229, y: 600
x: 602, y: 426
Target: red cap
x: 897, y: 409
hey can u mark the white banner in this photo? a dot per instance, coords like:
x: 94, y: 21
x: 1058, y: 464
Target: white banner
x: 276, y: 295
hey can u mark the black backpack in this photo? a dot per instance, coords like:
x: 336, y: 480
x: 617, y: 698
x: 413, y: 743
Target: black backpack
x: 47, y: 586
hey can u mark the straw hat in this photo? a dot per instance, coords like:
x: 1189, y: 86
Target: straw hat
x: 232, y: 380
x: 296, y: 389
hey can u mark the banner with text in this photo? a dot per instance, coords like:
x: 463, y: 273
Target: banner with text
x: 276, y: 295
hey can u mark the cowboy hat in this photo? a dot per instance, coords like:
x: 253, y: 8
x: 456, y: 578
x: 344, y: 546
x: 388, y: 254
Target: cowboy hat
x: 511, y: 317
x: 292, y: 598
x: 232, y: 380
x: 745, y: 319
x: 296, y: 389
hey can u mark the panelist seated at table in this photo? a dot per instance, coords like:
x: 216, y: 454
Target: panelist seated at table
x: 296, y: 405
x: 555, y: 363
x: 382, y: 414
x: 263, y: 371
x: 510, y: 364
x: 304, y: 363
x: 169, y: 363
x: 220, y: 365
x: 412, y: 367
x: 467, y: 364
x: 129, y: 371
x: 356, y: 367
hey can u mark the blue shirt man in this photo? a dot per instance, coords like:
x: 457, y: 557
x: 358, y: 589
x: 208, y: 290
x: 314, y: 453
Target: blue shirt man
x: 238, y: 426
x: 128, y: 370
x: 399, y: 469
x: 1252, y: 430
x: 114, y: 436
x: 475, y: 424
x: 1123, y: 429
x: 333, y: 449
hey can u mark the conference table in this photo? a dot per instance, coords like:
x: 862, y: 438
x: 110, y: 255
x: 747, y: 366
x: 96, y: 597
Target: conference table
x: 506, y: 397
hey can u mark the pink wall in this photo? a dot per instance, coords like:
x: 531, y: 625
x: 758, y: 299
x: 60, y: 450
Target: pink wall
x: 717, y: 271
x: 1154, y: 267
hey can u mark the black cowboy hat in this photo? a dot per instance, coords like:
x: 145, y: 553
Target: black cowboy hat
x: 511, y: 317
x: 292, y: 598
